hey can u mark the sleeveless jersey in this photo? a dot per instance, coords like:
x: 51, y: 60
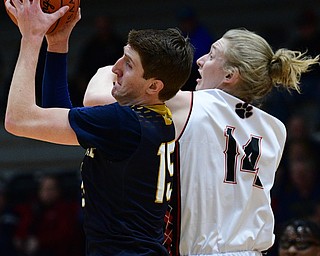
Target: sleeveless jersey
x: 229, y: 153
x: 127, y: 173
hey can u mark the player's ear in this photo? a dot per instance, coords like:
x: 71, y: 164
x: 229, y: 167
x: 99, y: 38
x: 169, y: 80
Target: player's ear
x: 232, y: 75
x: 155, y: 86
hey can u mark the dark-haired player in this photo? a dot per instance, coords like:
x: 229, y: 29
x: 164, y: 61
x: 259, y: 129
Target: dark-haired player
x: 128, y: 166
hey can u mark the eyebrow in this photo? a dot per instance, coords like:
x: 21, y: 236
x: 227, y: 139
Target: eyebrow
x: 128, y: 56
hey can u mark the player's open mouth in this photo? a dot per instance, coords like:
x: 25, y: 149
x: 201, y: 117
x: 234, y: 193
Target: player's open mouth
x: 200, y: 77
x: 116, y: 83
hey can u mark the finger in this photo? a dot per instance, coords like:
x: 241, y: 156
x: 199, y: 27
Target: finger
x: 35, y: 2
x: 79, y: 12
x: 76, y: 18
x: 62, y: 11
x: 15, y: 3
x: 12, y: 9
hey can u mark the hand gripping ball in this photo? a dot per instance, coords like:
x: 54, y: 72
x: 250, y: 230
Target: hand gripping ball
x: 50, y: 6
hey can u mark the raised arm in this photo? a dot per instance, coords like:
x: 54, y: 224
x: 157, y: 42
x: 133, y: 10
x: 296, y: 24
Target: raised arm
x: 180, y: 106
x: 99, y: 93
x: 99, y: 88
x: 55, y: 92
x: 23, y: 117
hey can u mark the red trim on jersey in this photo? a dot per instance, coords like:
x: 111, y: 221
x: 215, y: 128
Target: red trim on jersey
x: 177, y: 210
x: 187, y: 121
x: 173, y: 215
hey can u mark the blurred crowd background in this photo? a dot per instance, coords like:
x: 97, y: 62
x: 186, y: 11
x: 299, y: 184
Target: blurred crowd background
x: 40, y: 182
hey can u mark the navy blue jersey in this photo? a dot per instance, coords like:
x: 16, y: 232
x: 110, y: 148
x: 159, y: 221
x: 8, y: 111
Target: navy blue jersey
x: 127, y: 178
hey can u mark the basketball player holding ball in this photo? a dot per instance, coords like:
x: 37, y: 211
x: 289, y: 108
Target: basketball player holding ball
x: 229, y: 149
x: 127, y: 169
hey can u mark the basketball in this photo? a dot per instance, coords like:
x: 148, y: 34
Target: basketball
x: 50, y: 6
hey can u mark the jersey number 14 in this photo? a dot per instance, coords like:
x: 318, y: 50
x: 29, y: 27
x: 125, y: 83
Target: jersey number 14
x: 249, y: 162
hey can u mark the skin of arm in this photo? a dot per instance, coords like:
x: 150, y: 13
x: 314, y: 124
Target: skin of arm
x: 99, y: 88
x: 180, y: 106
x: 23, y: 117
x: 98, y: 91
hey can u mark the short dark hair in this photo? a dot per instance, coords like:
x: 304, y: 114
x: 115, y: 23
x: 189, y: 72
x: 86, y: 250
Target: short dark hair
x: 307, y: 224
x: 165, y: 55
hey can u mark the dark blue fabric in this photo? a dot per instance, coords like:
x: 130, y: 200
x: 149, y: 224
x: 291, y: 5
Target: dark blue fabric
x: 127, y: 149
x: 113, y: 129
x: 55, y: 91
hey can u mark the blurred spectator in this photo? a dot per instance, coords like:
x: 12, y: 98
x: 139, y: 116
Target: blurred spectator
x: 8, y: 222
x: 315, y: 212
x: 103, y: 48
x: 300, y: 237
x: 48, y: 225
x: 297, y: 199
x: 295, y: 192
x: 200, y: 37
x: 300, y: 145
x: 300, y: 141
x: 297, y: 128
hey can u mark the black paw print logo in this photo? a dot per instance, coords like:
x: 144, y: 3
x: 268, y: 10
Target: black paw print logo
x: 244, y: 110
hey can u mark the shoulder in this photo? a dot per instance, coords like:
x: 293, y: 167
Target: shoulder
x: 180, y: 106
x: 111, y: 113
x: 181, y: 100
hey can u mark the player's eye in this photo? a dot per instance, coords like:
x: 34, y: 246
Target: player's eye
x: 128, y: 64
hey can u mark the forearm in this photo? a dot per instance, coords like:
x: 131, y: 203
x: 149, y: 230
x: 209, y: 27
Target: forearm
x: 99, y: 88
x: 21, y: 99
x: 55, y: 91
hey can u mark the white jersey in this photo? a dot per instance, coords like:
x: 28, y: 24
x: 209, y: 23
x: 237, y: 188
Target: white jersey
x: 229, y: 153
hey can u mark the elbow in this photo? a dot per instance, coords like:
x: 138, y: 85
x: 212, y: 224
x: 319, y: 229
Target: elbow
x: 11, y: 125
x: 92, y: 99
x: 87, y: 101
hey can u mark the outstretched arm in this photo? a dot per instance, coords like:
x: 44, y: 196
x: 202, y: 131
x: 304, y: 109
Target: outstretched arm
x: 23, y: 116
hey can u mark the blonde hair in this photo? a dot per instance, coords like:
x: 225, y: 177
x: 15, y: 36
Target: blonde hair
x: 261, y: 69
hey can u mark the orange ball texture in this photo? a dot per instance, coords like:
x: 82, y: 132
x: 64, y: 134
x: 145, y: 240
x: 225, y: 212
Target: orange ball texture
x: 50, y: 6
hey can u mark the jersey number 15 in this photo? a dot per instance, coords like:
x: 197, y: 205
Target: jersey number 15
x: 163, y: 189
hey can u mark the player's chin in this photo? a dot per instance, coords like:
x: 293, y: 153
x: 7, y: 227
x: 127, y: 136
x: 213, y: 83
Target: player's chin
x: 198, y: 86
x: 115, y: 93
x: 118, y: 96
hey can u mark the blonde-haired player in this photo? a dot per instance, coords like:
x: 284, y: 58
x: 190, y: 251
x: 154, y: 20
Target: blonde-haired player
x: 229, y: 148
